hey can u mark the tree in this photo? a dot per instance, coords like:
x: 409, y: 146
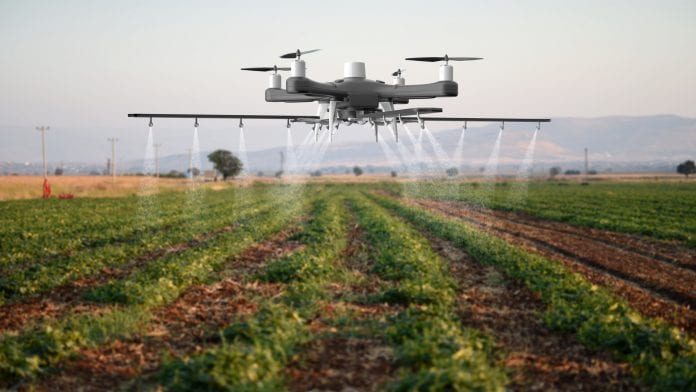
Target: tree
x: 357, y: 171
x: 554, y: 171
x: 394, y: 173
x: 686, y: 168
x: 452, y: 171
x: 59, y: 171
x: 227, y: 164
x: 173, y: 174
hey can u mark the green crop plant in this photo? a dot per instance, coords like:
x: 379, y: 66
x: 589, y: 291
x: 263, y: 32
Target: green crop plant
x: 435, y: 353
x: 254, y: 352
x: 663, y: 357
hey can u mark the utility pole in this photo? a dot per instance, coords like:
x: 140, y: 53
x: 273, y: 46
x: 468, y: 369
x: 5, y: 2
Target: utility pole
x: 43, y: 130
x: 113, y: 158
x: 157, y: 146
x: 587, y: 166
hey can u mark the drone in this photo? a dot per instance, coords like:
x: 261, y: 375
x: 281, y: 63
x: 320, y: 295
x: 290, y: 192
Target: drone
x: 354, y: 99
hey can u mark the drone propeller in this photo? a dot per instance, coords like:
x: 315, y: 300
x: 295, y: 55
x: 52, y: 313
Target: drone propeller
x: 274, y: 68
x: 446, y: 58
x: 398, y: 72
x: 297, y: 54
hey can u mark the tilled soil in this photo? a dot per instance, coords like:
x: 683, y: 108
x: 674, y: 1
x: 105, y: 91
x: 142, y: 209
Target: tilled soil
x: 653, y: 286
x: 342, y: 364
x: 67, y: 300
x: 335, y: 360
x: 184, y: 327
x: 536, y: 358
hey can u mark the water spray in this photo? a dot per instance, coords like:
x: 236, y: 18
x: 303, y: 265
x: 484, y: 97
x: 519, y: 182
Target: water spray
x: 457, y: 156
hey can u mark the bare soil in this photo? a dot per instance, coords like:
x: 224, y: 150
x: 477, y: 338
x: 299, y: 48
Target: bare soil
x: 184, y: 327
x: 68, y: 299
x: 656, y: 280
x: 536, y: 358
x: 338, y: 360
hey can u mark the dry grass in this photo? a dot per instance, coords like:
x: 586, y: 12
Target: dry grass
x: 31, y: 187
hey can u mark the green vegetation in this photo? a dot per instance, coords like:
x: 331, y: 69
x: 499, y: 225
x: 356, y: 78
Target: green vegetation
x: 662, y: 356
x: 664, y: 210
x: 127, y: 243
x: 37, y: 347
x: 361, y: 266
x: 435, y: 352
x: 254, y: 352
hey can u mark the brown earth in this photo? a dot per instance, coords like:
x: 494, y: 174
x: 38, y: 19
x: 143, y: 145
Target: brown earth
x: 634, y: 269
x: 536, y: 358
x: 345, y: 359
x: 184, y: 327
x: 67, y: 299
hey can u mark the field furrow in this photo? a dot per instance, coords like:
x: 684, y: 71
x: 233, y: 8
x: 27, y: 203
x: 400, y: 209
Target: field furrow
x: 662, y: 357
x: 156, y: 284
x: 662, y: 279
x: 406, y: 285
x: 184, y: 327
x: 536, y: 357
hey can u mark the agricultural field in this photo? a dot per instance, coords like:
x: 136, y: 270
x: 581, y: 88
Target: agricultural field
x: 428, y: 286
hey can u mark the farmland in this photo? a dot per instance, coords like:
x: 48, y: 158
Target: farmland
x: 436, y: 285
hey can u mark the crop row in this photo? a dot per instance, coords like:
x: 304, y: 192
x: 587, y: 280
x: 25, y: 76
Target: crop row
x: 37, y: 348
x: 254, y: 352
x: 42, y: 277
x: 663, y: 210
x: 432, y: 347
x: 663, y: 357
x: 64, y: 228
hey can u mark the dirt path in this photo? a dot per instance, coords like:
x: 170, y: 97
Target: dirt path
x: 537, y: 359
x: 346, y: 359
x: 187, y: 326
x: 67, y: 300
x: 654, y: 287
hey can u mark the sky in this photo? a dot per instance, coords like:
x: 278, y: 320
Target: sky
x: 86, y: 64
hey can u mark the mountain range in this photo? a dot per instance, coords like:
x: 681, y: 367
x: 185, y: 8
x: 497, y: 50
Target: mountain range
x: 648, y: 143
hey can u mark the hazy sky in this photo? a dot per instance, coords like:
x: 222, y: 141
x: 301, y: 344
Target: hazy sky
x: 89, y: 63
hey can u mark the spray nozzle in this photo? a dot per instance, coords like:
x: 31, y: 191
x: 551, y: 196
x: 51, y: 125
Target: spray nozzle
x: 151, y: 124
x: 241, y: 123
x: 502, y: 125
x: 539, y: 125
x: 288, y: 124
x: 195, y: 123
x: 464, y: 127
